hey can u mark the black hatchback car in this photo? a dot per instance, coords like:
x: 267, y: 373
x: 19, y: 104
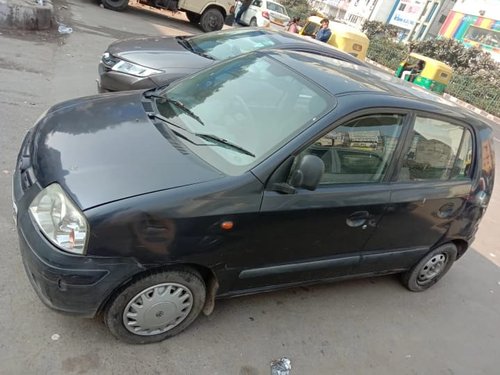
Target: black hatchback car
x: 269, y: 170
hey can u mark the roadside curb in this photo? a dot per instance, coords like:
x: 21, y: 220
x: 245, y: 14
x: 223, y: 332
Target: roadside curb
x: 472, y: 108
x: 26, y: 14
x: 479, y: 111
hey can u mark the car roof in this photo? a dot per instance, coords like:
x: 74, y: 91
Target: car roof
x: 342, y: 79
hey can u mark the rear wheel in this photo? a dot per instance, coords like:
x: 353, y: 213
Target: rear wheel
x: 193, y: 17
x: 430, y: 269
x: 156, y: 307
x: 118, y: 5
x: 253, y: 22
x: 211, y: 20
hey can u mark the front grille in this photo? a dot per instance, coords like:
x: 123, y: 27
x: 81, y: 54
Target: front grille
x: 24, y: 163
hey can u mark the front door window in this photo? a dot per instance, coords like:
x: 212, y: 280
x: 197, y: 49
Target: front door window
x: 358, y: 151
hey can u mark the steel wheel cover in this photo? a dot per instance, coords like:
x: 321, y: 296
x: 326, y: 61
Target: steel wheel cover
x: 432, y: 269
x: 158, y: 309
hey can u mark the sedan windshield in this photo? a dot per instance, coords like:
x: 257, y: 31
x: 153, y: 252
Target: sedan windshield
x: 237, y: 113
x: 223, y: 44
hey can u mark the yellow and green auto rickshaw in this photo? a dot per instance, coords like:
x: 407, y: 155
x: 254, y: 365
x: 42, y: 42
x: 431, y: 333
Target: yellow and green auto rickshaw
x: 344, y: 37
x: 423, y: 71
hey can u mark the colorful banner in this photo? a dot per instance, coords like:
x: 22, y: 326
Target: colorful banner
x: 456, y: 25
x: 451, y: 24
x: 473, y: 31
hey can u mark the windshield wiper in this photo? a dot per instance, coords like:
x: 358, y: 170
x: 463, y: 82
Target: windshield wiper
x: 207, y: 137
x: 204, y: 54
x: 176, y: 103
x: 218, y: 140
x: 187, y: 44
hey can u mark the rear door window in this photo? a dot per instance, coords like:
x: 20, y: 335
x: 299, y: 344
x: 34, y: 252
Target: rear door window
x: 438, y: 150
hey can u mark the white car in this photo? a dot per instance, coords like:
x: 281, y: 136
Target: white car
x: 265, y: 13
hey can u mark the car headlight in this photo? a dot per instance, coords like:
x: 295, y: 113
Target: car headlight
x: 134, y: 69
x: 60, y: 220
x: 109, y: 60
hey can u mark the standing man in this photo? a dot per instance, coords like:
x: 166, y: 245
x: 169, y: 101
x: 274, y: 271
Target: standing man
x: 243, y: 9
x: 324, y: 33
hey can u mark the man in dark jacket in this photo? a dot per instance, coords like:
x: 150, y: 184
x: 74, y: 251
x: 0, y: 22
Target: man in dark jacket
x: 324, y: 32
x: 243, y: 9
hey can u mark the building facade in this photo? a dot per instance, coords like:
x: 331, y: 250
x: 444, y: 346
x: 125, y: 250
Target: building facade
x: 475, y: 23
x: 419, y: 19
x: 333, y: 9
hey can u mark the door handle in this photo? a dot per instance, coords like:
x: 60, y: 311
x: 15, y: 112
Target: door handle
x: 357, y: 219
x: 446, y: 211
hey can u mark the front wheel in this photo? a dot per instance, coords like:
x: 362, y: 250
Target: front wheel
x: 156, y: 307
x: 212, y: 19
x: 430, y: 269
x: 193, y: 17
x: 118, y: 5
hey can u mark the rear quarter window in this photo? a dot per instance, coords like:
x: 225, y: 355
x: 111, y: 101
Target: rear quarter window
x: 438, y: 151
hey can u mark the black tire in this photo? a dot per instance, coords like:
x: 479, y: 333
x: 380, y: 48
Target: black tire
x: 212, y: 19
x: 253, y: 22
x: 180, y: 281
x: 118, y: 5
x: 430, y: 269
x: 193, y: 17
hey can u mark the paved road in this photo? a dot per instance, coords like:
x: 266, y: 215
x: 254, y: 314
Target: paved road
x: 370, y: 326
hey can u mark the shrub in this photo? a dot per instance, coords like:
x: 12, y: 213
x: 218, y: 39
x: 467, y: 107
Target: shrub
x: 476, y: 77
x: 466, y: 61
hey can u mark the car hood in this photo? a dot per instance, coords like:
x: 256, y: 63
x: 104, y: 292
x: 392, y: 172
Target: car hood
x: 158, y: 53
x: 105, y: 148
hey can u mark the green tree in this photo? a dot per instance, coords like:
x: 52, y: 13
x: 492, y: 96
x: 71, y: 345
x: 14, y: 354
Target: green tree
x: 298, y: 8
x: 376, y: 29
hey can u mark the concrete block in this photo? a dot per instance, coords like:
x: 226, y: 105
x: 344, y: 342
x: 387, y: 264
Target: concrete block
x: 26, y: 14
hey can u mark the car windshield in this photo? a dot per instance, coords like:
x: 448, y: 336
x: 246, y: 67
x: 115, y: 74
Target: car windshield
x: 243, y: 110
x: 223, y: 45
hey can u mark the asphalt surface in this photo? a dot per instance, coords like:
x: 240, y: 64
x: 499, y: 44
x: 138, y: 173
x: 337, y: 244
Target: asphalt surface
x: 369, y: 326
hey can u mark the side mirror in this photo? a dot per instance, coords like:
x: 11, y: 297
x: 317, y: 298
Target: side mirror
x: 308, y: 173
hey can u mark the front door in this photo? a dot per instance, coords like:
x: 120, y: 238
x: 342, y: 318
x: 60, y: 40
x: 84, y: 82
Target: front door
x: 312, y: 235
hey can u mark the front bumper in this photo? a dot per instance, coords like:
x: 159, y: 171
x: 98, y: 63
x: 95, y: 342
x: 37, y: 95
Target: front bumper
x: 73, y: 284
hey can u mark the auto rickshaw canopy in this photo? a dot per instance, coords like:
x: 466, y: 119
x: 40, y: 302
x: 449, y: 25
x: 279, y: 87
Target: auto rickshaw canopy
x: 434, y: 69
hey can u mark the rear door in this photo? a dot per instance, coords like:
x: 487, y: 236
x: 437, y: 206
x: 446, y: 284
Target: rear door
x: 428, y: 195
